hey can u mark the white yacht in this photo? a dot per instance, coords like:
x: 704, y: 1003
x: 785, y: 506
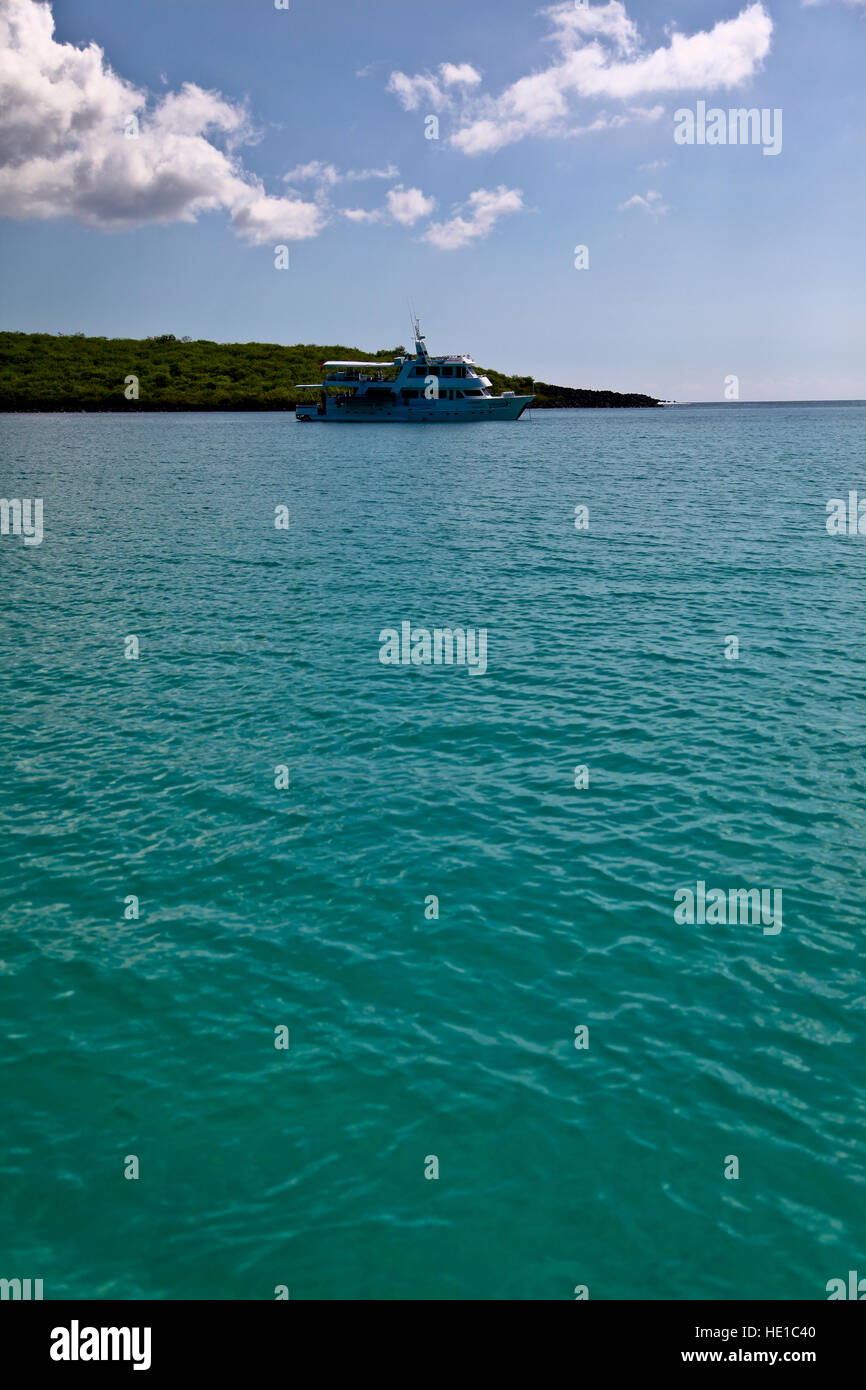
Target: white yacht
x: 418, y: 388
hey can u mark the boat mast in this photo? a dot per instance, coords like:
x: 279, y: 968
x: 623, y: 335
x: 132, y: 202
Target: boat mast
x: 420, y: 345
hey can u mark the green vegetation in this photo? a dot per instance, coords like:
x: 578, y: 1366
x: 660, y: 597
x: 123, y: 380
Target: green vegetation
x: 40, y: 371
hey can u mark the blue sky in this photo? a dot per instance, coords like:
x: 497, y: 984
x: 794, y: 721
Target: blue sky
x: 704, y: 261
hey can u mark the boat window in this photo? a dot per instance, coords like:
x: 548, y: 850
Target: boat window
x: 409, y: 395
x: 446, y: 371
x: 473, y: 391
x: 458, y: 395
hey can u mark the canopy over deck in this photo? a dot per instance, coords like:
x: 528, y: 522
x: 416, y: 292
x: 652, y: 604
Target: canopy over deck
x: 380, y: 366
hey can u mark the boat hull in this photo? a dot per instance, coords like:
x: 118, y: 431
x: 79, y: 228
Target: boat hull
x: 417, y: 412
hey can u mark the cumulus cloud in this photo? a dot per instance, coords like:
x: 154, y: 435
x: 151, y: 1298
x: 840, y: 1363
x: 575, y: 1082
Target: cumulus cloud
x: 471, y: 221
x: 432, y: 91
x: 652, y: 204
x: 484, y: 208
x: 601, y: 56
x: 404, y: 205
x: 64, y: 151
x: 609, y: 22
x: 459, y: 75
x: 407, y: 205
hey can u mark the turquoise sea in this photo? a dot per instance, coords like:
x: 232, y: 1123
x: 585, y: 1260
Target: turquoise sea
x: 414, y: 1036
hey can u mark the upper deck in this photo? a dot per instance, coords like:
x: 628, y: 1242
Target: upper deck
x: 400, y: 373
x: 401, y: 370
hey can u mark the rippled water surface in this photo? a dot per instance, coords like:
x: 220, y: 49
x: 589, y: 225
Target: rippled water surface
x: 413, y: 1036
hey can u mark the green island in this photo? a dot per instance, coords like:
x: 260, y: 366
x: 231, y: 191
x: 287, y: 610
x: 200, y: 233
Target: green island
x: 45, y: 371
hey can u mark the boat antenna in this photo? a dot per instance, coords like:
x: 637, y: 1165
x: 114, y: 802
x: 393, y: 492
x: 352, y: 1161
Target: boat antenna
x: 412, y: 319
x: 419, y: 336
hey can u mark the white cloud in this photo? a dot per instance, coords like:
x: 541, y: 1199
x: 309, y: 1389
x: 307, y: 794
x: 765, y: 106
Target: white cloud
x: 623, y: 118
x: 411, y: 91
x: 361, y: 215
x: 429, y: 90
x: 407, y: 205
x: 652, y: 204
x: 459, y: 75
x: 264, y: 220
x: 356, y: 175
x: 484, y: 208
x: 403, y: 205
x: 316, y: 171
x: 601, y: 57
x: 599, y: 21
x: 653, y: 165
x: 63, y: 151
